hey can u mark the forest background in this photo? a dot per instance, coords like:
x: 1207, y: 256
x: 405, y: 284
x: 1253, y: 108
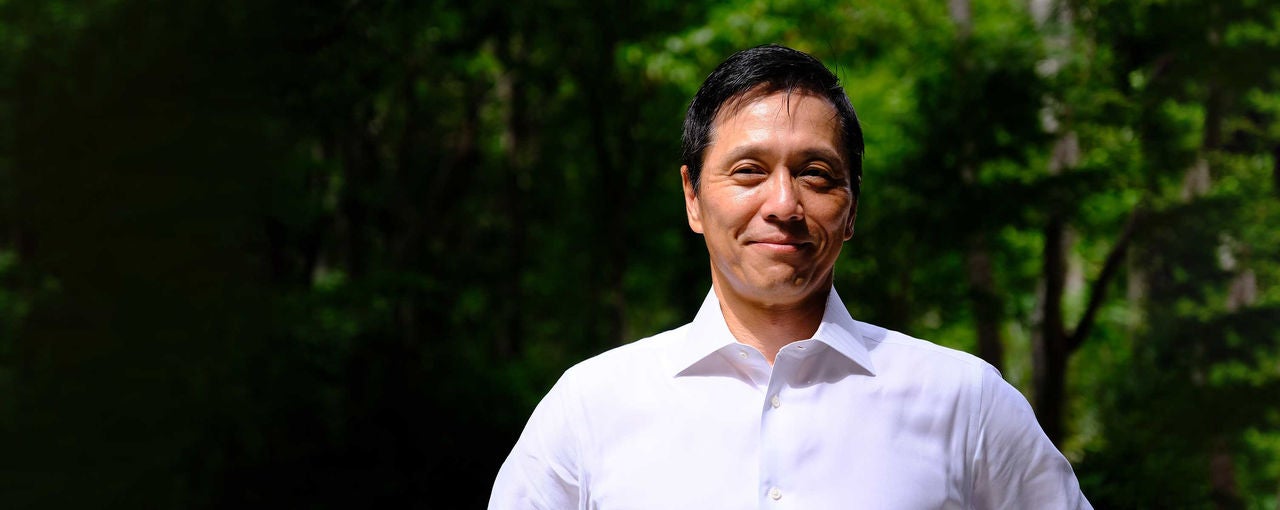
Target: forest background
x: 330, y: 254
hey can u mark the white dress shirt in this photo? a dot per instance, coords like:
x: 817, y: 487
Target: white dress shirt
x: 856, y: 417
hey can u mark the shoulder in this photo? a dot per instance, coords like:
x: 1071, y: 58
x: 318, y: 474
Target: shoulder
x: 603, y: 381
x: 631, y: 363
x: 893, y: 351
x: 910, y: 360
x: 648, y: 349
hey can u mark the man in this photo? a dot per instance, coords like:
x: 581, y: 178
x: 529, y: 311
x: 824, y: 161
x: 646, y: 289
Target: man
x: 774, y: 397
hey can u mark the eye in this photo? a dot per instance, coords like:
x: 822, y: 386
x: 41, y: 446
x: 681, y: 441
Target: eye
x: 817, y: 172
x: 748, y: 172
x: 820, y: 178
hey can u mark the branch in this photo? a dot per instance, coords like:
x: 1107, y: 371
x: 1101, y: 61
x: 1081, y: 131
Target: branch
x: 1098, y: 291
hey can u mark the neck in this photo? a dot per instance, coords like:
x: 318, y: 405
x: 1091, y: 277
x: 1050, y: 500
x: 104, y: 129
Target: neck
x: 769, y: 327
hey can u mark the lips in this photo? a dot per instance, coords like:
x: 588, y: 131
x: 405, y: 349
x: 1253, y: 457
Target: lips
x: 780, y: 244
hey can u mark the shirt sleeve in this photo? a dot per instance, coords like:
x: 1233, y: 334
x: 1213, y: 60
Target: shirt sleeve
x: 542, y: 470
x: 1015, y: 464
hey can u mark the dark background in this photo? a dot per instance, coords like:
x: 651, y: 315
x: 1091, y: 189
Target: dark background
x: 330, y: 254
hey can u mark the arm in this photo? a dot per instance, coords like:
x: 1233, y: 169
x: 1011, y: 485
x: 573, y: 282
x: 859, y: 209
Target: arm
x: 1015, y: 464
x: 542, y: 470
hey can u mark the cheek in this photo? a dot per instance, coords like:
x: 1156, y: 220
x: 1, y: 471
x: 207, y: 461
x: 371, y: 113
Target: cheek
x: 731, y: 209
x: 743, y: 200
x: 832, y: 215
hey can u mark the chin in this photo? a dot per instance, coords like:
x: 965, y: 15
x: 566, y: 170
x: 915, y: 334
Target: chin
x: 783, y: 291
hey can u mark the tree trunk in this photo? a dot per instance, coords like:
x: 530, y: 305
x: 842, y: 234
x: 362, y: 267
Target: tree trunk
x: 1222, y: 476
x: 514, y: 189
x: 984, y: 298
x: 1224, y: 487
x: 962, y: 16
x: 985, y: 301
x: 1051, y: 346
x: 612, y: 202
x: 1049, y: 340
x: 1275, y: 169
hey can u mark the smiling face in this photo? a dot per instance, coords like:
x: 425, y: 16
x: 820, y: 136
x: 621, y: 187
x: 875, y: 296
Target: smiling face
x: 774, y: 201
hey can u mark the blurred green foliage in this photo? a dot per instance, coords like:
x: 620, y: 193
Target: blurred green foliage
x: 330, y: 254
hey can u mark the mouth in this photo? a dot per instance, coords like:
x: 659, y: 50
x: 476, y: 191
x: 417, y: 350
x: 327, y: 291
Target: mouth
x: 781, y: 245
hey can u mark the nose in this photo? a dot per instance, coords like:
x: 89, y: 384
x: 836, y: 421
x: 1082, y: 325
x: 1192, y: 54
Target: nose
x: 782, y: 199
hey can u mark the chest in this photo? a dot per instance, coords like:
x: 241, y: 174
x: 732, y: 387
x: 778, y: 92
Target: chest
x: 726, y: 444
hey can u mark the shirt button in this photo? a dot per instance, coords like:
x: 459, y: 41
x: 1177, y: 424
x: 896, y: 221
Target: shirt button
x: 776, y: 403
x: 775, y: 494
x: 742, y: 354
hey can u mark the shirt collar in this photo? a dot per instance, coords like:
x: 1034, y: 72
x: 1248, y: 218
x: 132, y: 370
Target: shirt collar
x: 709, y: 333
x: 839, y: 331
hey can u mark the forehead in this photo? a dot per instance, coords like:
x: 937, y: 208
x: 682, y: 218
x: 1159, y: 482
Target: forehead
x: 794, y: 116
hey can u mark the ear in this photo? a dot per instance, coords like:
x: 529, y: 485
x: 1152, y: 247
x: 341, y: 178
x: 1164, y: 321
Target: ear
x: 853, y: 215
x: 691, y: 208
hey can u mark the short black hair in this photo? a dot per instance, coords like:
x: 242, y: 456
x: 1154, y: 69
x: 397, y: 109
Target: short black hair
x: 764, y: 70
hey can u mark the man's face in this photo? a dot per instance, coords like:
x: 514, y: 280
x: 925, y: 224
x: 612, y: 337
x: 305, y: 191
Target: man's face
x: 774, y: 202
